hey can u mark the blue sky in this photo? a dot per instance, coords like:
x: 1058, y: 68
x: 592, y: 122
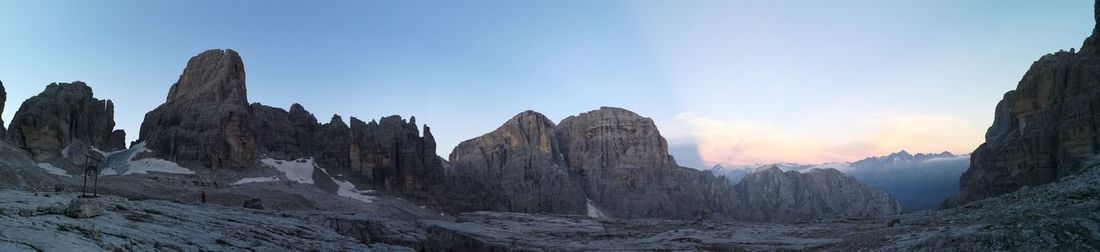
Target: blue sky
x: 726, y: 81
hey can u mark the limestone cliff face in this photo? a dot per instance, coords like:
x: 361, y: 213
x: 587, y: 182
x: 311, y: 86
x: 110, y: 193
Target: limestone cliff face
x: 63, y: 114
x: 1044, y: 130
x: 622, y: 162
x: 773, y: 195
x: 205, y: 121
x: 392, y: 155
x: 284, y: 135
x: 518, y: 167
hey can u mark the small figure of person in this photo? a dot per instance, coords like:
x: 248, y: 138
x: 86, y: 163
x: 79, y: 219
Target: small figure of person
x: 203, y: 196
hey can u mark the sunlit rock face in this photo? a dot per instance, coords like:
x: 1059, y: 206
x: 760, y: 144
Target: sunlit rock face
x: 63, y: 114
x: 205, y: 121
x: 518, y: 167
x: 773, y: 195
x: 1044, y: 130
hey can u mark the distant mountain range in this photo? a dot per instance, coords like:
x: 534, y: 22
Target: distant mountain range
x: 918, y: 182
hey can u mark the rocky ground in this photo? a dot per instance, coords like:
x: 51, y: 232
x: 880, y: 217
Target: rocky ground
x: 1063, y: 216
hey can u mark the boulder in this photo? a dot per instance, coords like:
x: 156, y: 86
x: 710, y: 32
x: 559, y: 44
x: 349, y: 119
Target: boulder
x: 254, y: 203
x: 84, y: 208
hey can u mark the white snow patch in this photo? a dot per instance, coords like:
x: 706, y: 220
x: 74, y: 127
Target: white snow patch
x: 144, y: 166
x: 347, y: 189
x: 129, y: 166
x: 300, y: 170
x: 594, y: 211
x: 256, y: 180
x: 65, y: 151
x: 53, y: 169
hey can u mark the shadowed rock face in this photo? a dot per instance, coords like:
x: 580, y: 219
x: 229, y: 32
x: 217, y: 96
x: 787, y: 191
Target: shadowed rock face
x: 1044, y: 130
x: 773, y: 195
x: 391, y: 155
x: 205, y: 121
x: 284, y: 135
x: 516, y: 168
x: 3, y: 100
x: 62, y: 114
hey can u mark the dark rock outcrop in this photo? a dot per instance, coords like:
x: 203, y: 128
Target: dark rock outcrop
x: 516, y: 168
x: 205, y: 121
x: 1046, y: 129
x: 284, y: 135
x: 333, y: 142
x: 64, y: 113
x: 773, y: 195
x: 392, y: 155
x: 622, y: 162
x: 116, y: 141
x: 3, y: 100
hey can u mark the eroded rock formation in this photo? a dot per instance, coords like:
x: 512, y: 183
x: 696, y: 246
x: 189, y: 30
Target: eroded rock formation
x: 63, y: 114
x: 1045, y: 129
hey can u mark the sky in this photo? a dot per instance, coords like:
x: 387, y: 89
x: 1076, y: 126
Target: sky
x: 727, y: 82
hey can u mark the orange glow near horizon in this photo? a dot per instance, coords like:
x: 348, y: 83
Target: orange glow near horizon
x: 741, y: 142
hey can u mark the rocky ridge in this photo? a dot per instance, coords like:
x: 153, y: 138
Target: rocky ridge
x: 615, y: 162
x: 774, y: 195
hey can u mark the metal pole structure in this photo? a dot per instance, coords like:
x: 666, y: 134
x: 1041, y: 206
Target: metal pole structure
x: 95, y: 189
x: 84, y: 190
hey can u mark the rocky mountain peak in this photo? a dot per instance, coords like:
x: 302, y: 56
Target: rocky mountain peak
x: 212, y: 76
x: 206, y: 119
